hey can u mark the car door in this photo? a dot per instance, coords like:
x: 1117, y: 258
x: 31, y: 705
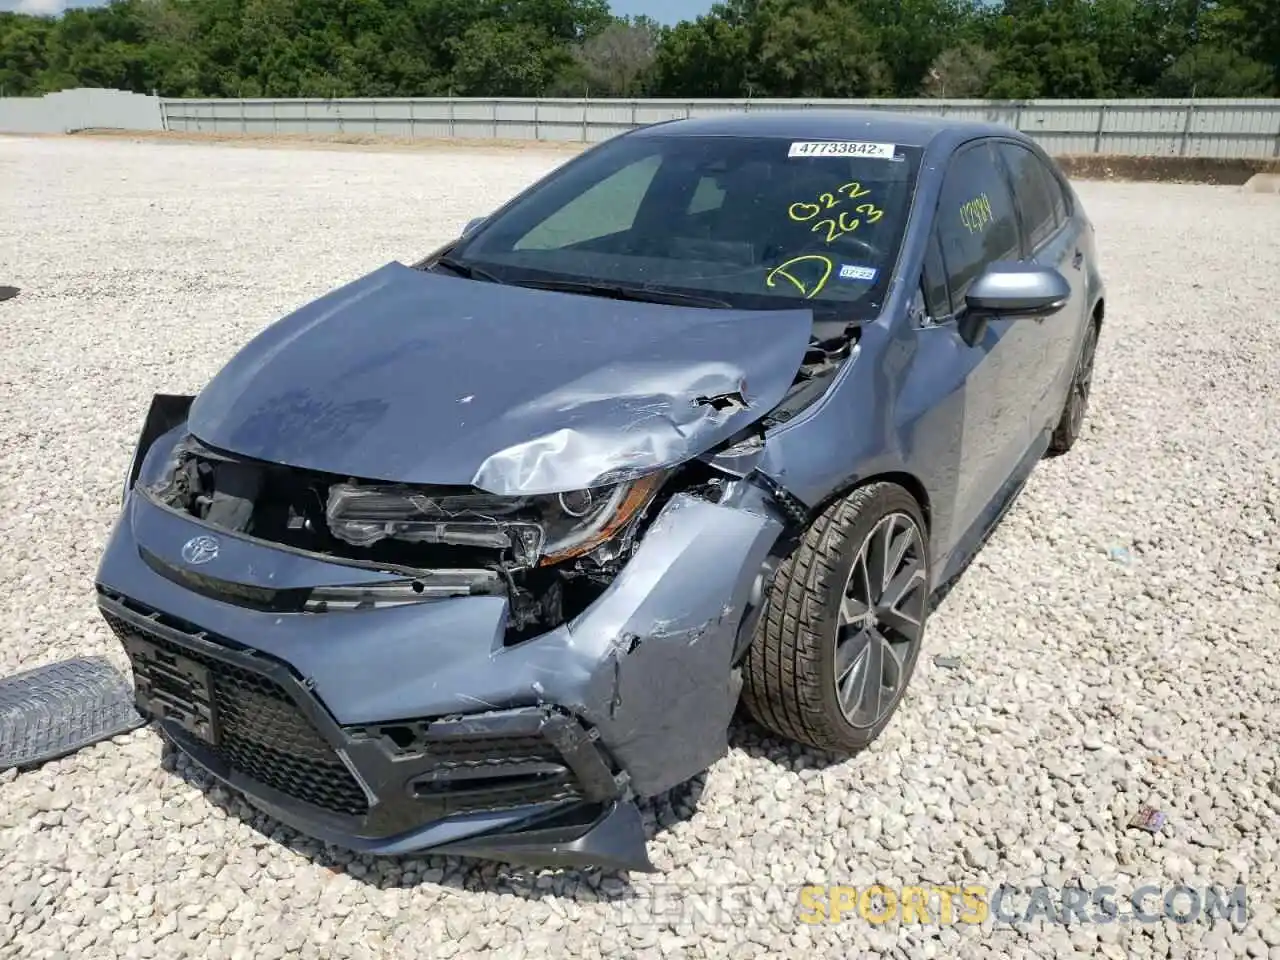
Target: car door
x: 976, y: 225
x: 1051, y: 238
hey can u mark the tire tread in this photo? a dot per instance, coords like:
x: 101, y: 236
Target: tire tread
x: 782, y: 682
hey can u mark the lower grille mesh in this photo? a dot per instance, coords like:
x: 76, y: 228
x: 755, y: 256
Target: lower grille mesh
x: 465, y: 773
x: 263, y: 733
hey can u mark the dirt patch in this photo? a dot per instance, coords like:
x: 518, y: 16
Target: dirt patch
x: 1233, y: 172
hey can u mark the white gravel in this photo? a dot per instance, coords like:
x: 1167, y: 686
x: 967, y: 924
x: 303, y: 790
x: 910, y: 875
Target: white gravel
x: 1117, y: 636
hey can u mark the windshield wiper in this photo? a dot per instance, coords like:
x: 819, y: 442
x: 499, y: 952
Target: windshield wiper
x: 615, y: 292
x: 466, y: 270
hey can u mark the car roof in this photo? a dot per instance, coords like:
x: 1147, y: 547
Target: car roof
x: 881, y: 126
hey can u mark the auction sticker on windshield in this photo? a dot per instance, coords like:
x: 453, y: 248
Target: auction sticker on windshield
x: 841, y: 148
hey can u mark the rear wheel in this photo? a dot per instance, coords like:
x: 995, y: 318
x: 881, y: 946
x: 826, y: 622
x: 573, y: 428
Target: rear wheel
x: 1073, y: 412
x: 845, y: 620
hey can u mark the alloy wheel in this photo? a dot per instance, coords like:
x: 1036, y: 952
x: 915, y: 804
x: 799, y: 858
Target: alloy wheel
x: 1083, y: 380
x: 881, y: 623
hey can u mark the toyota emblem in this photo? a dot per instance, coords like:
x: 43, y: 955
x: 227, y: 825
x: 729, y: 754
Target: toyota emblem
x: 200, y: 550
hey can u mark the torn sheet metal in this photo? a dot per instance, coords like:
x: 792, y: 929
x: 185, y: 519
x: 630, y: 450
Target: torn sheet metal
x: 530, y: 391
x: 647, y: 664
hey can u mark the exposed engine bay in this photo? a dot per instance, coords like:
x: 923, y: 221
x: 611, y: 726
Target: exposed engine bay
x: 549, y: 554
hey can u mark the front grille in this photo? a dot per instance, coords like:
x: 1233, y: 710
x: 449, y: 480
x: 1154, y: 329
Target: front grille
x: 261, y: 731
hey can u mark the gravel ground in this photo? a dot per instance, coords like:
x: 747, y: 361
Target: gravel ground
x: 1115, y: 642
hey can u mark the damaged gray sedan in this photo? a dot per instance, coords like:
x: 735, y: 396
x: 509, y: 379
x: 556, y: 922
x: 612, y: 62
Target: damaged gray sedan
x: 466, y: 556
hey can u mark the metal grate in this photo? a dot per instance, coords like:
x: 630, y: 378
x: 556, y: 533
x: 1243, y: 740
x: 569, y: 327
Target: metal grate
x: 261, y: 732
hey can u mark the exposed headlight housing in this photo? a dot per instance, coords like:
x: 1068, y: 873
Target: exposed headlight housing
x: 538, y: 530
x: 166, y: 413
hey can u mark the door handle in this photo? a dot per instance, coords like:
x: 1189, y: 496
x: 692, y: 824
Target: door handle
x: 1077, y: 260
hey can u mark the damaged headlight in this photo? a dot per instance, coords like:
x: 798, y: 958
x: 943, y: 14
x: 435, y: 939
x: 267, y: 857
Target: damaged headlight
x: 536, y: 529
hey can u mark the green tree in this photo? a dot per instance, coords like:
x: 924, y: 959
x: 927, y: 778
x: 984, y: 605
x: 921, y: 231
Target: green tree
x: 819, y: 48
x: 1043, y: 49
x: 757, y: 48
x: 23, y: 49
x: 1249, y: 27
x: 618, y: 61
x: 1216, y: 72
x: 910, y: 35
x: 960, y: 72
x: 493, y: 59
x: 707, y: 57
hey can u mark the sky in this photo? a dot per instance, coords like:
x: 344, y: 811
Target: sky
x: 664, y: 11
x: 43, y: 6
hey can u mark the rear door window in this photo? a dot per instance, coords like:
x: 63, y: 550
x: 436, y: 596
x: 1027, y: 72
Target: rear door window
x: 1033, y: 186
x: 976, y: 220
x: 1061, y: 205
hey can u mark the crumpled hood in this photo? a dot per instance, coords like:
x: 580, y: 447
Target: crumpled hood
x: 413, y: 377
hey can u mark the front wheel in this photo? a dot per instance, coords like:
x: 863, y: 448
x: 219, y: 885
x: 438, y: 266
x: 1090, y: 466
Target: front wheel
x: 1071, y: 423
x: 840, y: 636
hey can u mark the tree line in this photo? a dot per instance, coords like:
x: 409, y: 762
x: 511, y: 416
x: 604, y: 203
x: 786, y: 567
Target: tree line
x: 1007, y: 49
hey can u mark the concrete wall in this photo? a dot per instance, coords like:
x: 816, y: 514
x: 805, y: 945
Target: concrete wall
x: 80, y: 109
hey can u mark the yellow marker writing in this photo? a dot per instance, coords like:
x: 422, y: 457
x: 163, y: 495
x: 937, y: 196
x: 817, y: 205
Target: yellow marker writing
x: 976, y: 214
x: 783, y: 270
x: 803, y: 211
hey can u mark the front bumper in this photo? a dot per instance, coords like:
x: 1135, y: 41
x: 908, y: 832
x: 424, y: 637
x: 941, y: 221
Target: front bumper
x: 506, y: 783
x: 416, y: 728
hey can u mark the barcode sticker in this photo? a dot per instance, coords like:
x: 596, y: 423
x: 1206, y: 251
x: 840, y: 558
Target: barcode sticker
x: 841, y: 148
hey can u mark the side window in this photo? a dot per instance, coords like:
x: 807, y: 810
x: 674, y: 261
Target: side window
x: 1058, y: 194
x: 1033, y: 186
x: 933, y: 281
x: 607, y: 208
x: 975, y: 220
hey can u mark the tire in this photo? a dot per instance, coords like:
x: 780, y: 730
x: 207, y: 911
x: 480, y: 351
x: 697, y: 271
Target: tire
x: 790, y: 672
x: 1071, y: 424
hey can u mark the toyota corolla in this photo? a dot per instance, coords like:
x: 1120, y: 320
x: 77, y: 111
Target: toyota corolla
x: 469, y: 554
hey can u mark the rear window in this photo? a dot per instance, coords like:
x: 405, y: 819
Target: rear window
x: 757, y: 223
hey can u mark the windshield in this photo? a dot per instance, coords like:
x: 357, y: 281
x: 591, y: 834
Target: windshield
x: 750, y: 223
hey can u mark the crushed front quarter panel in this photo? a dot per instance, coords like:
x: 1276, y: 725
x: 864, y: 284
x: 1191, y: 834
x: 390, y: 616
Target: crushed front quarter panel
x: 648, y: 664
x: 414, y: 377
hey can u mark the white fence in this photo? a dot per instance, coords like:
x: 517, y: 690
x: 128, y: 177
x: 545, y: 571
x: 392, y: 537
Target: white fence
x: 1204, y: 128
x: 1200, y: 128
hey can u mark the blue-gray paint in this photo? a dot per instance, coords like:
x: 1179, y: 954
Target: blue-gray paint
x: 415, y: 377
x: 649, y: 663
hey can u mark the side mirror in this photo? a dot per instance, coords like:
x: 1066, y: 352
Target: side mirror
x: 472, y: 224
x: 1006, y: 290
